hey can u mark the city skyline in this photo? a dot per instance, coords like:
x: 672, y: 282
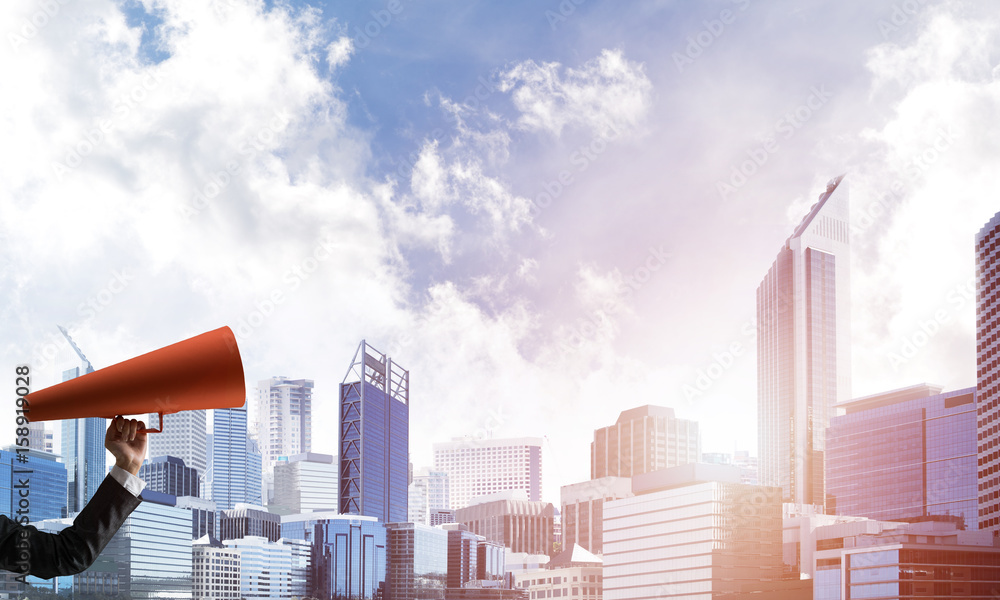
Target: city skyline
x: 543, y: 216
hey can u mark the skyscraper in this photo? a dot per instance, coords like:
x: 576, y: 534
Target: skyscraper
x: 83, y: 452
x: 988, y: 372
x: 483, y: 467
x: 306, y: 482
x: 427, y: 492
x: 644, y: 439
x: 82, y: 443
x: 183, y: 437
x: 374, y: 437
x: 235, y: 460
x: 282, y: 421
x: 803, y: 348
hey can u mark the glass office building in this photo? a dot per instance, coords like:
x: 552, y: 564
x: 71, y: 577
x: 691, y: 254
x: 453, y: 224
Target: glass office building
x: 988, y: 371
x: 803, y: 348
x: 905, y: 455
x: 235, y: 463
x: 40, y: 477
x: 694, y: 532
x: 349, y: 558
x: 374, y: 437
x: 417, y: 556
x: 151, y: 554
x: 83, y: 452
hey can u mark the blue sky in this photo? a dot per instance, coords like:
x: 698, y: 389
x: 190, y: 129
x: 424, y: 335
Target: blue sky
x: 568, y: 243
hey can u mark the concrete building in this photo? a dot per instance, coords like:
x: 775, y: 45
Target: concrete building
x: 215, y: 570
x: 306, y: 482
x: 521, y: 525
x: 583, y: 510
x: 169, y: 475
x: 481, y: 467
x: 915, y: 560
x: 441, y: 516
x: 374, y: 437
x: 644, y: 439
x: 574, y: 574
x: 988, y: 372
x: 691, y: 531
x: 417, y: 557
x: 905, y: 455
x: 803, y: 348
x: 282, y: 424
x: 183, y: 436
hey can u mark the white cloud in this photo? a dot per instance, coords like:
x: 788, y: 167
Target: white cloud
x: 609, y: 95
x: 339, y: 52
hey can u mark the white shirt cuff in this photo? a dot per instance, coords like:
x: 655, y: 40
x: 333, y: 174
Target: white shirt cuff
x: 129, y: 481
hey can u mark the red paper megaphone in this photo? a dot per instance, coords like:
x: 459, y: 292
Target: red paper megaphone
x: 199, y: 373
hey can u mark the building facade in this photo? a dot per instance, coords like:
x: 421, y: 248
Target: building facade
x: 644, y: 439
x: 151, y: 553
x: 520, y: 525
x: 246, y: 520
x: 236, y: 464
x: 82, y: 452
x: 306, y: 482
x: 215, y: 570
x: 428, y: 492
x: 349, y: 558
x: 374, y: 437
x: 39, y: 476
x: 282, y: 424
x: 988, y: 372
x: 417, y: 561
x: 483, y: 467
x: 204, y: 519
x: 183, y: 436
x: 905, y: 455
x: 572, y: 575
x: 583, y: 510
x: 919, y: 560
x: 169, y: 475
x: 803, y: 348
x: 691, y: 531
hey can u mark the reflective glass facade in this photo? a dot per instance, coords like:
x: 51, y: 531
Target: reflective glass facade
x: 236, y: 465
x: 152, y: 553
x: 265, y: 568
x: 417, y: 557
x: 988, y: 372
x: 349, y: 558
x: 374, y: 438
x: 905, y: 458
x: 46, y: 485
x: 803, y: 348
x: 694, y: 541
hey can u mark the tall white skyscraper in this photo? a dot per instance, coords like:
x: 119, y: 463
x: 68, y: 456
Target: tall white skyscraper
x: 184, y: 436
x: 481, y: 467
x: 803, y: 348
x: 283, y: 418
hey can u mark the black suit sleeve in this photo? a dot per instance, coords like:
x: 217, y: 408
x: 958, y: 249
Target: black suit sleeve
x: 24, y: 549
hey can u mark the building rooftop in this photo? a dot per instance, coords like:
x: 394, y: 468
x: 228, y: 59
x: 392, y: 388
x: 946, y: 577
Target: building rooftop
x: 684, y: 475
x: 649, y: 410
x: 907, y: 394
x: 806, y: 220
x: 576, y: 556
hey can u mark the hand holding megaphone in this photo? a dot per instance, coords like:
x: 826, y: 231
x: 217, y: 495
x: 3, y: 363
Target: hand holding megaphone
x: 126, y: 440
x: 202, y: 372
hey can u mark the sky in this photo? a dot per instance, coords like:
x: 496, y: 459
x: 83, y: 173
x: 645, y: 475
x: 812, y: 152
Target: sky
x: 548, y: 212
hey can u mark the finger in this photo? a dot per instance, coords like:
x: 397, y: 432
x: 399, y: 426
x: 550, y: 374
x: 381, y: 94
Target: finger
x: 119, y: 422
x: 133, y: 427
x: 142, y: 427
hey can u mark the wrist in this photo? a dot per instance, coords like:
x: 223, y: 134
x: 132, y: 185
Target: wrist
x: 128, y: 465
